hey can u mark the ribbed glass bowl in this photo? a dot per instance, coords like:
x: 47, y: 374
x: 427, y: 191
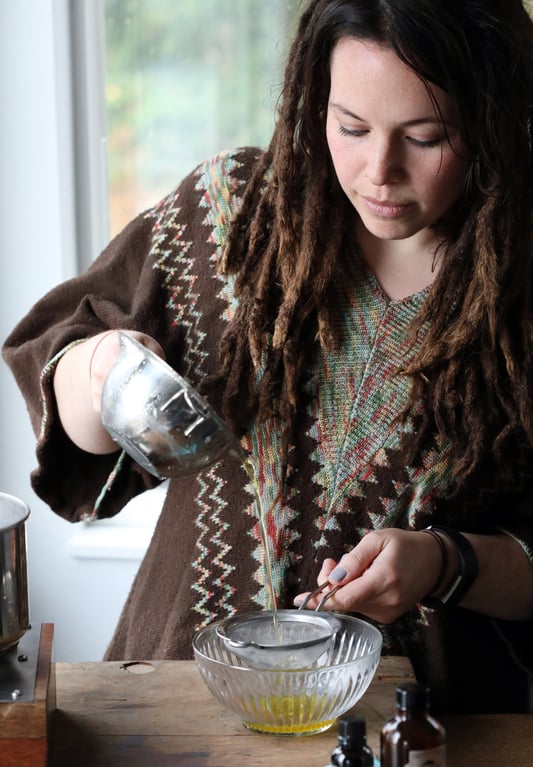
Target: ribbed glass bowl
x: 300, y: 701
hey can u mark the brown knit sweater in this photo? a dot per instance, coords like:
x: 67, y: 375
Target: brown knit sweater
x: 205, y: 560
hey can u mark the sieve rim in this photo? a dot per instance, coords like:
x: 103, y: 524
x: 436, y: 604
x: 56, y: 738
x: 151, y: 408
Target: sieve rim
x: 325, y: 620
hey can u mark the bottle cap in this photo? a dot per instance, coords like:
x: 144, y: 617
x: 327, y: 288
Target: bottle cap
x: 352, y: 730
x: 412, y: 694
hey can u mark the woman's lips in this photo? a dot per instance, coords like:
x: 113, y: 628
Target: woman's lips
x: 385, y: 209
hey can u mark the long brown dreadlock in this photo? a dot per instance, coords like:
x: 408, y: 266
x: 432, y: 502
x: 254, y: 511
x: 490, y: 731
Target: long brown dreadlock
x: 473, y: 372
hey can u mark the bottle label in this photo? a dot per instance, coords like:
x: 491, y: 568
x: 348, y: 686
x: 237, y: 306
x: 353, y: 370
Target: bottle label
x: 430, y: 757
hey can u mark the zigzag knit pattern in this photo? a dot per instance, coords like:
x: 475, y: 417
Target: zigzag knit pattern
x: 349, y: 467
x: 354, y: 396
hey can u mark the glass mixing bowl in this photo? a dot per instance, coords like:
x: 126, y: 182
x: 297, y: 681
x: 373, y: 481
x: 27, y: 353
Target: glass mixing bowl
x: 291, y: 701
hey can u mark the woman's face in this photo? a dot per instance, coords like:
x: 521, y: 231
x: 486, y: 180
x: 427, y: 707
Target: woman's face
x: 390, y: 150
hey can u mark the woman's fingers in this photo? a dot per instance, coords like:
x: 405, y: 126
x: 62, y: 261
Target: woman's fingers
x: 104, y: 355
x: 385, y: 575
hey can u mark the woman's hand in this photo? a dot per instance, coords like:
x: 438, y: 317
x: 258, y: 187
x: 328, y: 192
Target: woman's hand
x: 78, y: 383
x: 390, y: 571
x: 104, y: 349
x: 385, y: 575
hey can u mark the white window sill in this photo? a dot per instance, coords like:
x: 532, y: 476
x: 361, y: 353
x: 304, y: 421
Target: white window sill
x: 126, y: 536
x: 110, y: 543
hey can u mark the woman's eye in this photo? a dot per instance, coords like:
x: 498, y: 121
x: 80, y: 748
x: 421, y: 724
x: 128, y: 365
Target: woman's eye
x: 419, y: 142
x: 351, y: 131
x: 426, y: 142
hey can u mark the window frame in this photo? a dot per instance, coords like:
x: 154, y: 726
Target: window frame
x: 87, y: 27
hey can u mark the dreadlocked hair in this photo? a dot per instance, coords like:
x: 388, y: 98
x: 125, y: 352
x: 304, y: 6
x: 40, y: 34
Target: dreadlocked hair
x: 473, y: 372
x: 474, y: 369
x: 283, y: 246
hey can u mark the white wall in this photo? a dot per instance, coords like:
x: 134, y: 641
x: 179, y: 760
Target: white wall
x: 78, y: 577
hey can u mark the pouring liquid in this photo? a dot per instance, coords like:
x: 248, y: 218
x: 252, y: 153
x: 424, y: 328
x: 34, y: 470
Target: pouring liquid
x: 250, y: 470
x: 288, y: 714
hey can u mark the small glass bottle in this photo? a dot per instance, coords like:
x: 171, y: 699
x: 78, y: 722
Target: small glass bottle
x: 413, y: 738
x: 352, y: 750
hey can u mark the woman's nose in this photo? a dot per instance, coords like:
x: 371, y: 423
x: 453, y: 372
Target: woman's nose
x: 384, y: 162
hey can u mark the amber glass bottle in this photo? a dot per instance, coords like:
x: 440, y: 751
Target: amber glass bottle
x: 413, y: 738
x: 352, y: 749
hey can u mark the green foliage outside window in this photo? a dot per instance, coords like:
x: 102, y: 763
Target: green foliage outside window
x: 185, y: 79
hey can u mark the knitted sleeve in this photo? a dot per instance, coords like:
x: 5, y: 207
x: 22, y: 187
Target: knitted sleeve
x: 158, y: 276
x: 116, y: 291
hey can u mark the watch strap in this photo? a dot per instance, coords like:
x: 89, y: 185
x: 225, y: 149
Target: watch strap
x: 454, y: 592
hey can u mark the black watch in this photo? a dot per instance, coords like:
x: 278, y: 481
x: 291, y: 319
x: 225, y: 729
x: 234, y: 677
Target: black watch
x: 468, y: 570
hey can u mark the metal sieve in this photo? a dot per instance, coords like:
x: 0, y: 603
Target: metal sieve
x: 294, y: 640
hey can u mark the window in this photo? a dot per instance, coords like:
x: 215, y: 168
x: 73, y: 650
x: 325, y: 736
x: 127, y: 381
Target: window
x: 160, y: 86
x: 183, y: 80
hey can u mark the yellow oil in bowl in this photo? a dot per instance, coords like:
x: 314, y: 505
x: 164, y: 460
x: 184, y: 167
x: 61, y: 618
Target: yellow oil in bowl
x: 290, y: 715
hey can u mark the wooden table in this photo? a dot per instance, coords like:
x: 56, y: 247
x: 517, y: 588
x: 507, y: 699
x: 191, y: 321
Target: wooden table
x: 160, y: 714
x: 111, y: 715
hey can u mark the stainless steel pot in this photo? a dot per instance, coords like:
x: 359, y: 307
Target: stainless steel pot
x: 14, y: 610
x: 159, y: 418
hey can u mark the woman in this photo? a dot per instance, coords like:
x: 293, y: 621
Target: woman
x: 356, y: 303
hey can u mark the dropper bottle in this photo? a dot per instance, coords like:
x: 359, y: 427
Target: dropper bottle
x: 352, y: 749
x: 413, y: 737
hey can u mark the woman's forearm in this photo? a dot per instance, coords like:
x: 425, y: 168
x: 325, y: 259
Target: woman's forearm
x: 504, y: 586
